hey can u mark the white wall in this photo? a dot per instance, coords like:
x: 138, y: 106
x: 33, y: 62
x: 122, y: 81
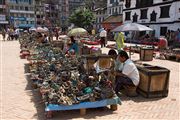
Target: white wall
x: 174, y: 14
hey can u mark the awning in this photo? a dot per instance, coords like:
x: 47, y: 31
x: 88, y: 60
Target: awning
x: 4, y: 22
x: 114, y: 19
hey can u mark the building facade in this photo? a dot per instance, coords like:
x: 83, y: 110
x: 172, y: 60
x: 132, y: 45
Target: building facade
x: 160, y: 15
x: 3, y: 14
x: 100, y: 15
x: 114, y: 14
x: 114, y: 7
x: 74, y: 4
x: 64, y: 13
x: 21, y: 13
x: 39, y: 12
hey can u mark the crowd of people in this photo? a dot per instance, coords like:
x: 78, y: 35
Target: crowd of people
x: 12, y: 33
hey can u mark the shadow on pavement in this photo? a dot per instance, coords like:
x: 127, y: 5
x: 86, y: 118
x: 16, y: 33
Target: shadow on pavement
x: 35, y: 96
x: 92, y: 113
x: 138, y: 98
x: 63, y: 115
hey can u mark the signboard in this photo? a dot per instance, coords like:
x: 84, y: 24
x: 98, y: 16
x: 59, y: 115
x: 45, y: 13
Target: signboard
x: 2, y: 17
x: 18, y: 18
x: 26, y: 25
x: 46, y: 8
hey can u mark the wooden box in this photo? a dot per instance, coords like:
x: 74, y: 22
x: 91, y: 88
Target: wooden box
x: 146, y: 54
x: 95, y: 52
x: 85, y: 50
x: 59, y: 44
x: 154, y: 81
x: 90, y: 60
x: 105, y: 62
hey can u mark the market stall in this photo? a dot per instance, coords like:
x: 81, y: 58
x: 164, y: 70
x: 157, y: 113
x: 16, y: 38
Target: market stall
x: 66, y: 82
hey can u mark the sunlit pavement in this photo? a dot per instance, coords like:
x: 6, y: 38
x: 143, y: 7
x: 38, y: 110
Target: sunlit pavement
x: 20, y: 101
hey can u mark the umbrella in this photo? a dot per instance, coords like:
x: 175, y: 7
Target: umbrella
x: 131, y: 27
x: 101, y: 29
x: 77, y: 31
x: 46, y: 29
x: 32, y: 29
x: 40, y: 29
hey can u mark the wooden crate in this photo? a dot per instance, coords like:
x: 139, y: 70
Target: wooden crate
x: 154, y: 81
x: 90, y: 62
x: 59, y: 44
x: 85, y: 50
x: 95, y: 52
x: 105, y: 63
x: 146, y: 54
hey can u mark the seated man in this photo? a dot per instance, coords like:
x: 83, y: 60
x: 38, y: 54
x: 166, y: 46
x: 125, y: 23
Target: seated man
x: 129, y: 75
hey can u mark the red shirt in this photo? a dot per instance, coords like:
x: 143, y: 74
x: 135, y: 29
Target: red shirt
x: 162, y: 43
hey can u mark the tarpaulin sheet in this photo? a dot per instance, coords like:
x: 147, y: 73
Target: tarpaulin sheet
x: 55, y: 107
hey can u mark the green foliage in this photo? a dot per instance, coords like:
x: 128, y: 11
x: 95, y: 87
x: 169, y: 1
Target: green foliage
x: 82, y: 18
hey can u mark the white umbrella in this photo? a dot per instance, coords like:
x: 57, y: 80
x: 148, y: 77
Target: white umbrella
x: 40, y: 29
x: 32, y: 29
x: 131, y: 27
x: 46, y: 29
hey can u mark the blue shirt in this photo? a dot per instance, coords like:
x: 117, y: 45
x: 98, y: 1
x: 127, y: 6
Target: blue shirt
x: 74, y: 47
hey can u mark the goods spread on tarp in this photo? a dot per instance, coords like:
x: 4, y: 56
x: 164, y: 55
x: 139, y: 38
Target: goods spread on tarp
x: 64, y: 80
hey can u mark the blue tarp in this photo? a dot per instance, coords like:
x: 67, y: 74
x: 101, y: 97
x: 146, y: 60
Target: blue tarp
x: 102, y: 103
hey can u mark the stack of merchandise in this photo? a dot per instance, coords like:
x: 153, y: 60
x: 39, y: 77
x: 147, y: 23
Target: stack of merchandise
x: 62, y: 79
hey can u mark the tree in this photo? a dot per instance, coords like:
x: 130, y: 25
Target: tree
x: 82, y: 17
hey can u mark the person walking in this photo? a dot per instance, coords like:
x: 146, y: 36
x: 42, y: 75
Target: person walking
x: 103, y: 35
x: 4, y: 34
x: 119, y: 38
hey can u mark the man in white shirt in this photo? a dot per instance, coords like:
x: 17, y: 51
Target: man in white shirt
x: 103, y: 35
x: 129, y: 75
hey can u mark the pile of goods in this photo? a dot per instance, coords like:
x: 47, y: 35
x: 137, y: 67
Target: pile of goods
x: 62, y: 79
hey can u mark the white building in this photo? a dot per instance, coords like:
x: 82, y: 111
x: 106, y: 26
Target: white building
x: 100, y: 14
x: 3, y: 14
x: 21, y: 13
x: 160, y: 15
x: 114, y: 7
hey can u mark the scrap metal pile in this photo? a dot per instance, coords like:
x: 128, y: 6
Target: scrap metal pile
x: 63, y: 79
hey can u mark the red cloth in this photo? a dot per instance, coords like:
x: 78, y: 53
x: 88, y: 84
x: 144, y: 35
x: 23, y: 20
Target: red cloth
x: 162, y: 43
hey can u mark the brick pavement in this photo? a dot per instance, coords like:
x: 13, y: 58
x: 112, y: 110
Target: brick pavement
x: 20, y: 101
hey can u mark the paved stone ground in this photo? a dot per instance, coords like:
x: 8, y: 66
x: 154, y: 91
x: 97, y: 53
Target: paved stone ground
x: 19, y: 101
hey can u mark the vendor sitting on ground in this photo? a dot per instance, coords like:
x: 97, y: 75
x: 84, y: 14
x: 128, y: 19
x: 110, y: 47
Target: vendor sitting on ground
x: 129, y: 75
x: 73, y: 47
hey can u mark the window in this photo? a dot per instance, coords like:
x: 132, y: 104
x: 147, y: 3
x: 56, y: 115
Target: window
x: 128, y: 3
x: 21, y: 8
x: 22, y: 15
x: 144, y: 14
x: 111, y: 1
x: 153, y: 16
x: 144, y: 3
x: 17, y: 7
x: 120, y: 10
x: 163, y: 31
x: 38, y: 16
x: 135, y: 16
x: 127, y: 15
x: 32, y: 22
x: 1, y: 11
x: 12, y: 7
x: 31, y: 15
x: 26, y: 8
x: 109, y: 11
x: 165, y: 11
x: 2, y: 2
